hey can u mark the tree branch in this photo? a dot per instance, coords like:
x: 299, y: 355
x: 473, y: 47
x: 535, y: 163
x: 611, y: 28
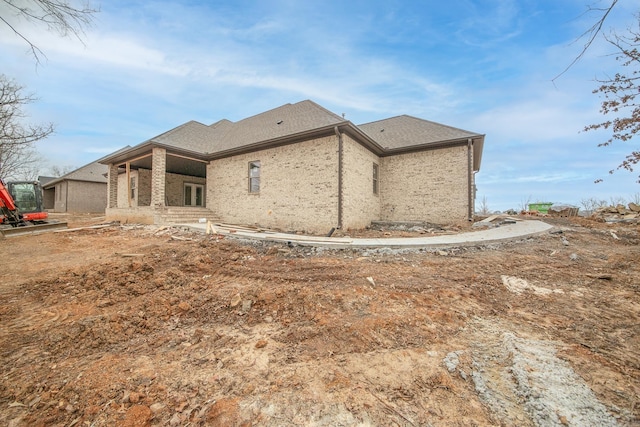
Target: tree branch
x: 592, y: 33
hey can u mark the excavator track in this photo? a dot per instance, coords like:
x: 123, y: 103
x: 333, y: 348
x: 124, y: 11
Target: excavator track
x: 6, y: 231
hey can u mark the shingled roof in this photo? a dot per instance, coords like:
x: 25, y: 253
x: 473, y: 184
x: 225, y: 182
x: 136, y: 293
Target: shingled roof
x: 93, y: 172
x: 406, y: 131
x: 291, y: 122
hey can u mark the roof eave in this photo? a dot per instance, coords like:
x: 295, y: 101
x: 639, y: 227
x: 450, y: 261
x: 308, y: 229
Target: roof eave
x: 280, y: 141
x: 145, y: 148
x: 430, y: 146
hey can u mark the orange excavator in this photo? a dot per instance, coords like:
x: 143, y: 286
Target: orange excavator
x: 21, y: 210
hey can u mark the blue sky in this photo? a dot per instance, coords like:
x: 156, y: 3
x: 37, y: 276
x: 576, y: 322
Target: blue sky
x: 484, y: 66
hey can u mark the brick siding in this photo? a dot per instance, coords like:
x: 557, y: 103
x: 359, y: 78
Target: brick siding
x: 360, y: 204
x: 298, y: 187
x: 425, y: 186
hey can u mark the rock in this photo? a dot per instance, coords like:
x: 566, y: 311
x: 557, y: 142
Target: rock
x: 134, y: 397
x: 370, y: 280
x: 176, y: 420
x: 137, y: 416
x: 634, y: 207
x: 574, y: 257
x: 272, y: 250
x: 246, y: 305
x: 184, y: 306
x: 451, y: 360
x: 156, y: 408
x: 565, y: 241
x: 235, y: 301
x: 261, y: 344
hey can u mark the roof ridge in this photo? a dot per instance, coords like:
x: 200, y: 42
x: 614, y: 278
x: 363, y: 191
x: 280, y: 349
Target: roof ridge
x: 214, y: 124
x: 263, y: 113
x: 421, y: 120
x: 320, y: 107
x: 170, y: 131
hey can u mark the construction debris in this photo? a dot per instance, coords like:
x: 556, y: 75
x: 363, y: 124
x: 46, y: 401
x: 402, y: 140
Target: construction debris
x: 563, y: 211
x: 496, y: 221
x: 618, y: 213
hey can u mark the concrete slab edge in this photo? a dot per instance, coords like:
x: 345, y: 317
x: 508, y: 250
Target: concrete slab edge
x: 474, y: 238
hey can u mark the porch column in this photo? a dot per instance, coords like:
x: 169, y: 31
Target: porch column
x: 112, y: 186
x: 158, y: 172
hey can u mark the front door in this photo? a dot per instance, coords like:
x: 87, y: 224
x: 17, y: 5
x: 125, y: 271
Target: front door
x: 193, y: 194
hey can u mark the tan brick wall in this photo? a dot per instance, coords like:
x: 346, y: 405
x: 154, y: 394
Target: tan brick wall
x: 298, y: 187
x: 112, y: 186
x: 86, y: 196
x: 360, y: 204
x: 123, y: 201
x: 144, y: 187
x: 60, y: 204
x: 175, y: 188
x: 158, y: 170
x: 425, y: 186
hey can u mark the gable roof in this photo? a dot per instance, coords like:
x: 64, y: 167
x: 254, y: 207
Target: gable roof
x: 93, y: 172
x: 291, y: 122
x: 407, y: 131
x: 288, y: 119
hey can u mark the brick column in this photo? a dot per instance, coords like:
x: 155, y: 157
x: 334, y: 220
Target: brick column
x: 158, y: 172
x: 112, y: 187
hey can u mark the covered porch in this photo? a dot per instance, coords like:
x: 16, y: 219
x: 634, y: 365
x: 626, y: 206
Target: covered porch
x: 155, y: 185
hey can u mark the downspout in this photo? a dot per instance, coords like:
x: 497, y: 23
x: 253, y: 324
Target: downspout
x: 469, y: 181
x: 340, y: 149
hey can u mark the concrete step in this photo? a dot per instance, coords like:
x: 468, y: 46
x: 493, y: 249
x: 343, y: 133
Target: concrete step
x: 185, y: 215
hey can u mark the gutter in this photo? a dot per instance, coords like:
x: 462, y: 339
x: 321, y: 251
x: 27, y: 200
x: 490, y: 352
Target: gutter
x: 469, y: 180
x: 340, y: 152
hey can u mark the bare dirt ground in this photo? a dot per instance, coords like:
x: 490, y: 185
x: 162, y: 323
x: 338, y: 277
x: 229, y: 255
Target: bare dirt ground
x: 140, y: 326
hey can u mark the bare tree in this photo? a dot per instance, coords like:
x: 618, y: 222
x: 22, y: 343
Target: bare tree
x: 622, y: 97
x: 17, y: 154
x: 57, y: 15
x: 484, y: 207
x: 524, y: 204
x: 590, y: 205
x: 58, y: 171
x: 591, y: 33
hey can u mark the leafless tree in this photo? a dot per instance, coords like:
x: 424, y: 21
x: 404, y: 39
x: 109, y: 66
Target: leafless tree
x: 622, y: 96
x: 484, y: 207
x: 58, y: 171
x: 61, y: 16
x: 590, y: 205
x: 17, y: 138
x: 592, y: 33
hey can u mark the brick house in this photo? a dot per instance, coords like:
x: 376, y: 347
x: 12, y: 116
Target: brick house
x: 82, y: 190
x: 298, y: 167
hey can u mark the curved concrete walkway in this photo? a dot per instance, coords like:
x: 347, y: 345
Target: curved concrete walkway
x: 517, y: 230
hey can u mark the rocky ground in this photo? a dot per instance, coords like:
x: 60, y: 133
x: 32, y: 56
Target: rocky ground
x: 146, y: 326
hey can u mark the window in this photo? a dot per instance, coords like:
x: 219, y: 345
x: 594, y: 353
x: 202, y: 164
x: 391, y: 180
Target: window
x: 193, y: 194
x: 254, y: 177
x: 375, y: 178
x: 132, y: 185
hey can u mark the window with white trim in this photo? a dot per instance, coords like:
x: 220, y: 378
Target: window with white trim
x: 376, y: 172
x: 254, y: 176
